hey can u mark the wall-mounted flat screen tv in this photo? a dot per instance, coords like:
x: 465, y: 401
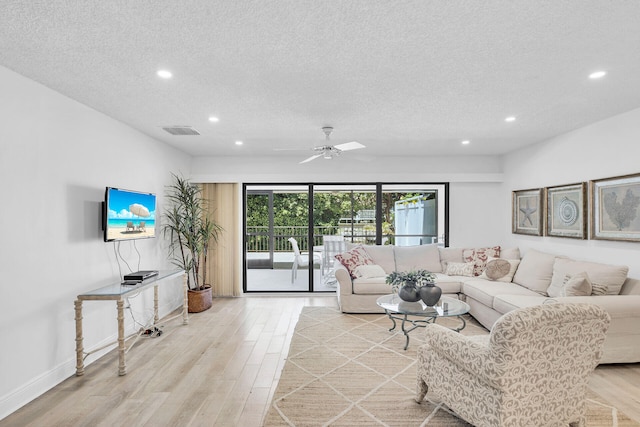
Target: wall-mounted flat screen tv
x: 129, y: 215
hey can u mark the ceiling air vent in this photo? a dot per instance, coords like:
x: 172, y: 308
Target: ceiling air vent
x: 181, y: 130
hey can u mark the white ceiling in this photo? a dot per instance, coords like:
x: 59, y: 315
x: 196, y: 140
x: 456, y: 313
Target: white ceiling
x: 402, y: 77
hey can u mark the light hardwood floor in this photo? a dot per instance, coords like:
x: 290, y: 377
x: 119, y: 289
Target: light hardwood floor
x: 221, y: 369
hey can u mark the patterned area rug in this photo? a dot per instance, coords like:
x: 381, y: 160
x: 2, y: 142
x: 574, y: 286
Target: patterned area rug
x: 349, y: 370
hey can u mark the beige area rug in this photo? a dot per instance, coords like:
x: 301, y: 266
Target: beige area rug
x: 349, y: 370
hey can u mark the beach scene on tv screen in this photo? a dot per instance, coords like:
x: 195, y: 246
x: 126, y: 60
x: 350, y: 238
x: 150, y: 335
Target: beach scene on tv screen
x: 130, y: 215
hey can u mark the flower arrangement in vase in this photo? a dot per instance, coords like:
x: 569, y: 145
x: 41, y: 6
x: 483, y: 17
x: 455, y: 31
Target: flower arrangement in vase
x: 415, y: 285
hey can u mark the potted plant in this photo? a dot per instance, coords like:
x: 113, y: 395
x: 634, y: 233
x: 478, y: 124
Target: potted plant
x: 415, y: 285
x: 190, y: 232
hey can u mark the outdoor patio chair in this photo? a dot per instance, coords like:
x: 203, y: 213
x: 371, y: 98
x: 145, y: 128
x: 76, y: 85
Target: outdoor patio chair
x: 301, y: 259
x: 331, y: 246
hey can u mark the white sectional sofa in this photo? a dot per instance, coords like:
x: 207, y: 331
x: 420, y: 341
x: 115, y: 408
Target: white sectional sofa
x: 534, y: 279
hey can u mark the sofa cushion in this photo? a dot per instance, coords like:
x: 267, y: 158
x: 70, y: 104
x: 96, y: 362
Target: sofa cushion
x: 382, y: 255
x: 353, y: 258
x: 510, y: 253
x: 423, y: 257
x: 460, y: 269
x: 449, y: 284
x: 484, y: 291
x: 448, y: 255
x: 500, y: 269
x: 535, y: 271
x: 372, y: 285
x: 505, y: 303
x: 369, y: 270
x: 480, y: 256
x: 613, y: 276
x: 572, y: 285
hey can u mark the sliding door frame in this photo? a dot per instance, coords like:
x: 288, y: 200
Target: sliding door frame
x: 310, y: 187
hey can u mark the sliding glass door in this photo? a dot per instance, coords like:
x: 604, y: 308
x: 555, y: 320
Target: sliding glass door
x: 292, y: 232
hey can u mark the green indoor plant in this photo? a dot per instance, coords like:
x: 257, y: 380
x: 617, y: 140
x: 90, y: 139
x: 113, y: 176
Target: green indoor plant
x: 417, y: 277
x: 190, y: 231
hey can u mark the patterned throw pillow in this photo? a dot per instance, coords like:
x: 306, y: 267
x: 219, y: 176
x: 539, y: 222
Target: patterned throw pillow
x: 368, y: 271
x: 599, y: 289
x: 572, y: 286
x: 500, y: 270
x: 354, y: 258
x: 479, y: 257
x: 459, y: 269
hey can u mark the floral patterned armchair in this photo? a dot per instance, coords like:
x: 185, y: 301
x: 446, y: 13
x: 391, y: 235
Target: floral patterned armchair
x: 532, y: 370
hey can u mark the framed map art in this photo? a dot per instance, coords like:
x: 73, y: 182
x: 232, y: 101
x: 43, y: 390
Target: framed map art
x: 527, y: 212
x: 615, y: 205
x: 566, y: 211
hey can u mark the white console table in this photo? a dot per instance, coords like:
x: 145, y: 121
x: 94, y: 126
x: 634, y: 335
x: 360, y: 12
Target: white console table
x: 118, y: 293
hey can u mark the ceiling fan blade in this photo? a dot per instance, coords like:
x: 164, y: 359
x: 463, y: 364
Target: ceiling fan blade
x: 315, y: 156
x: 353, y: 145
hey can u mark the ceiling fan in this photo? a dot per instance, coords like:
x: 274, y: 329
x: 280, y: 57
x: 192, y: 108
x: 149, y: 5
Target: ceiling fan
x: 328, y: 151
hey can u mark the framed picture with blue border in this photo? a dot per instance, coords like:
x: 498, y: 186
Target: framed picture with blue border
x: 567, y: 211
x: 528, y: 212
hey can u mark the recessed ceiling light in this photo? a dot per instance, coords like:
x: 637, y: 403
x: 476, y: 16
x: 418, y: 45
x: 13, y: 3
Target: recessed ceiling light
x: 597, y: 75
x: 510, y: 119
x: 466, y: 142
x: 214, y: 119
x: 165, y: 74
x: 239, y: 142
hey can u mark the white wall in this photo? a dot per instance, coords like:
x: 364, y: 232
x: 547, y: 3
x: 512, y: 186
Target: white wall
x: 56, y: 158
x: 474, y: 217
x: 604, y: 149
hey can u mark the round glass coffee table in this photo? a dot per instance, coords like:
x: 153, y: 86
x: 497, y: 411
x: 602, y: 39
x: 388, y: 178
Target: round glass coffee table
x: 398, y: 309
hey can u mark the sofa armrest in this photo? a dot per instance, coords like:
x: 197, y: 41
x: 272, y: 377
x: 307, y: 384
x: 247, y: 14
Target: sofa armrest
x: 468, y: 354
x: 345, y: 284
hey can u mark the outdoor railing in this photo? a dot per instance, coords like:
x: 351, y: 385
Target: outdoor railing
x: 258, y: 237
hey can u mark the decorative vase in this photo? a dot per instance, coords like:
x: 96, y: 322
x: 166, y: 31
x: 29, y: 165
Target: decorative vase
x: 430, y: 294
x: 409, y: 292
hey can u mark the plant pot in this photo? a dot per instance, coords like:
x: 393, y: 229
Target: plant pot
x: 199, y: 300
x: 409, y: 292
x: 430, y: 294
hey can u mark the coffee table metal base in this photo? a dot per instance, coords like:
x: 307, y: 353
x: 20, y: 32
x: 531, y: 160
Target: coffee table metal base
x: 416, y: 323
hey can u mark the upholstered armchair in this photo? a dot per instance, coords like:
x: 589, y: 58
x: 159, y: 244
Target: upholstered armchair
x: 532, y: 369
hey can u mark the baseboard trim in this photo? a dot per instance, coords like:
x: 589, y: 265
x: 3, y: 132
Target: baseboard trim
x: 16, y: 399
x: 12, y: 401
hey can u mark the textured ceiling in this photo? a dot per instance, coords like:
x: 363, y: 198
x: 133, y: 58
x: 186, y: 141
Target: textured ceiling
x: 401, y: 77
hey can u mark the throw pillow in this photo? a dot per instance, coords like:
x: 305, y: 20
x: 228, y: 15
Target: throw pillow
x: 354, y: 258
x: 368, y: 271
x: 599, y: 289
x: 460, y: 269
x: 535, y: 271
x: 479, y: 257
x: 613, y: 276
x: 572, y: 286
x: 500, y: 270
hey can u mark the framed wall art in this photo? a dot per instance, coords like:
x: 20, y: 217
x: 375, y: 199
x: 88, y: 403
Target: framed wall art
x: 615, y: 208
x: 567, y: 211
x: 527, y: 212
